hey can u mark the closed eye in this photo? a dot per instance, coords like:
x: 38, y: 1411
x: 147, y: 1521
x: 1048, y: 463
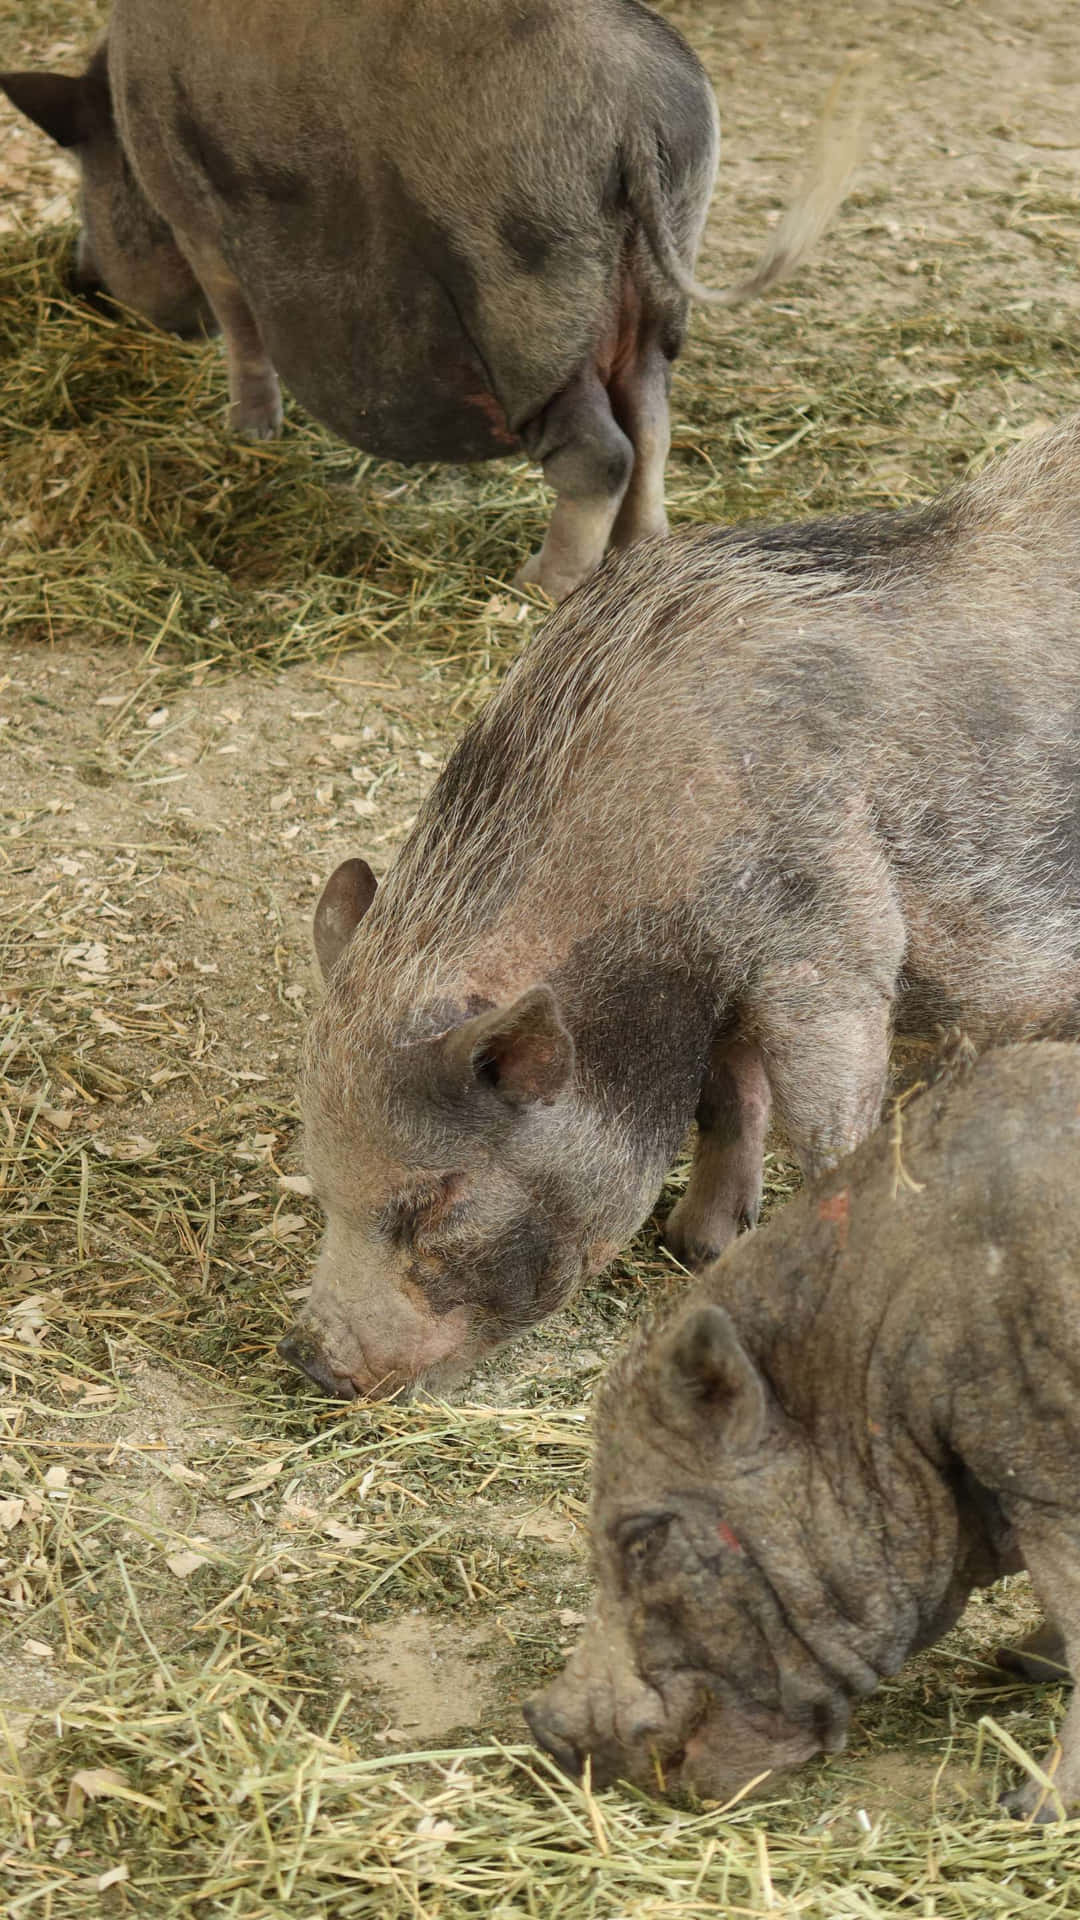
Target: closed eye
x: 406, y: 1217
x: 638, y: 1526
x: 640, y: 1538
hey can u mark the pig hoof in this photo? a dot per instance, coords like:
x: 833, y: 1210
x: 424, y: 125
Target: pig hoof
x: 694, y: 1248
x: 1040, y: 1658
x: 556, y: 585
x: 256, y: 423
x: 1031, y: 1802
x: 694, y: 1255
x: 528, y: 574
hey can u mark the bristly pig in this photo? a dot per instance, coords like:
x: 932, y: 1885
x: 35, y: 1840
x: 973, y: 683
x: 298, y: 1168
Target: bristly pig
x: 751, y: 799
x: 454, y: 230
x: 870, y: 1408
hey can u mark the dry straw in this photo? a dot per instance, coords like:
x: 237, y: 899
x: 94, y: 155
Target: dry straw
x: 197, y: 1558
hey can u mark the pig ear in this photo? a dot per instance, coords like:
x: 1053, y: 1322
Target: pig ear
x: 343, y: 903
x: 55, y: 102
x: 711, y: 1371
x: 521, y: 1051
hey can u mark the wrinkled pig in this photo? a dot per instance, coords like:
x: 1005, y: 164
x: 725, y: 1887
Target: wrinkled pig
x: 871, y: 1408
x: 453, y: 230
x: 752, y: 798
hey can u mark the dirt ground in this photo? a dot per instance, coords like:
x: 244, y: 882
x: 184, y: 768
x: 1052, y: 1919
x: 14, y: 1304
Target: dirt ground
x: 194, y: 1549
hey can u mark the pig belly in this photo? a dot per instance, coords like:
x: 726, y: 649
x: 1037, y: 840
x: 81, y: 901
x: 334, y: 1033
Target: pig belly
x: 396, y: 374
x: 431, y: 407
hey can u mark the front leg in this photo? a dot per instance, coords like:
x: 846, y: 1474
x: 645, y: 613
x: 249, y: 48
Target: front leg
x: 1039, y: 1657
x: 825, y: 1043
x: 724, y: 1191
x: 254, y: 393
x: 1051, y: 1553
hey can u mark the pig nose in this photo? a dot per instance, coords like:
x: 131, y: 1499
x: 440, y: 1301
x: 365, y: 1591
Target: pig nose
x: 552, y: 1737
x: 300, y: 1350
x: 643, y: 1724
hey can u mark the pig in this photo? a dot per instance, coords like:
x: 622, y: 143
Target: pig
x: 870, y: 1408
x: 752, y: 800
x: 455, y: 232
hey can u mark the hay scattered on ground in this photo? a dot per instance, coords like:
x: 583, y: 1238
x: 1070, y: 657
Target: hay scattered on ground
x: 202, y: 1565
x: 129, y: 513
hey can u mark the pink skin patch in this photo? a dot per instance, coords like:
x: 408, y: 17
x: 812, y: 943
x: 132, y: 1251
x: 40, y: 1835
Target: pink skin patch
x: 729, y: 1539
x: 599, y: 1255
x: 435, y: 1340
x: 837, y: 1208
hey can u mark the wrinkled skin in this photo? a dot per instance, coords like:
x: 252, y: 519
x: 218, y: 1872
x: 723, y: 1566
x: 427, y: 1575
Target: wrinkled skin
x: 455, y: 232
x: 871, y: 1407
x: 861, y: 822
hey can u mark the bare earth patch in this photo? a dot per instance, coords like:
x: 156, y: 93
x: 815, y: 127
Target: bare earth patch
x: 423, y: 1671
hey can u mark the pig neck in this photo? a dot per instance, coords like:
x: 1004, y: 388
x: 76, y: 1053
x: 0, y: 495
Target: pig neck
x: 896, y: 1531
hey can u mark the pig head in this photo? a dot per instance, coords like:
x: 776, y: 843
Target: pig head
x: 868, y: 1411
x: 123, y: 244
x: 736, y: 1617
x: 436, y: 1135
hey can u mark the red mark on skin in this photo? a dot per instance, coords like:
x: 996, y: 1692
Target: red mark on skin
x: 837, y: 1208
x: 486, y: 403
x: 600, y: 1254
x: 729, y: 1539
x: 618, y: 346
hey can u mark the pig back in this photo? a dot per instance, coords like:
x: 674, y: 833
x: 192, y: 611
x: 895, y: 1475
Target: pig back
x: 926, y: 1291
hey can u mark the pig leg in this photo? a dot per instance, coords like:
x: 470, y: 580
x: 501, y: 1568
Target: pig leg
x: 587, y: 458
x: 828, y: 1071
x: 254, y: 394
x: 724, y: 1192
x: 639, y: 399
x: 1051, y: 1553
x: 1039, y: 1657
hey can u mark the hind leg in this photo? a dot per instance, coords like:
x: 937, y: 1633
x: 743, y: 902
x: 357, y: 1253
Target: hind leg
x: 587, y: 458
x: 639, y: 399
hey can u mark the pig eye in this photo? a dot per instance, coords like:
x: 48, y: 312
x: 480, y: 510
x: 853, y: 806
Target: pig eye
x: 441, y: 1203
x: 640, y: 1539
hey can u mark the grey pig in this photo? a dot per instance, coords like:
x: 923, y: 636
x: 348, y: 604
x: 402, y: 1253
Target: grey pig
x: 455, y: 231
x: 752, y: 799
x: 870, y: 1408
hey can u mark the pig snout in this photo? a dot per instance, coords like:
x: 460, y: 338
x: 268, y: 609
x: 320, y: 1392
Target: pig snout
x: 384, y: 1350
x: 629, y: 1751
x: 301, y: 1350
x: 616, y: 1721
x: 553, y: 1736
